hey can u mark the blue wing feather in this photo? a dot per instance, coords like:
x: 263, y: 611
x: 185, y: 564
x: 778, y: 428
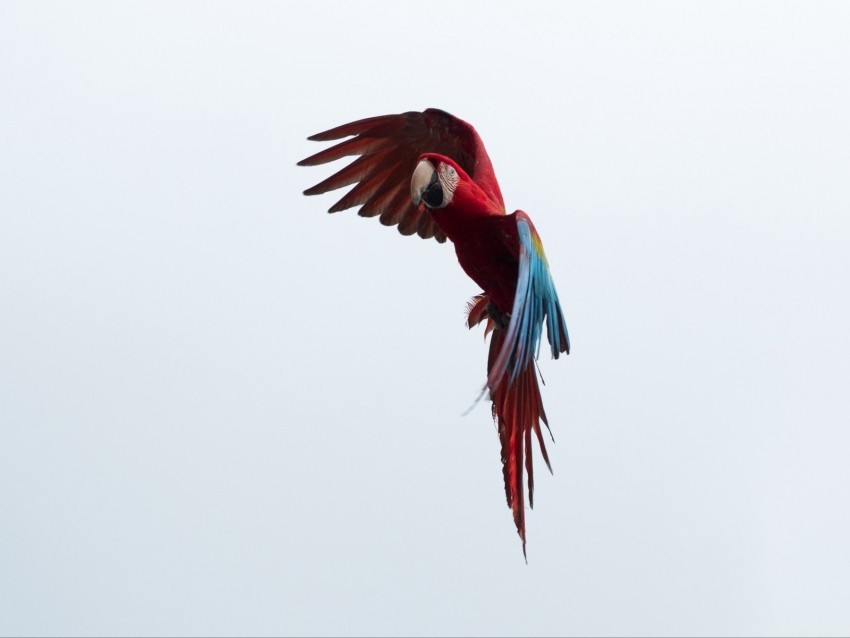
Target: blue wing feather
x: 536, y: 301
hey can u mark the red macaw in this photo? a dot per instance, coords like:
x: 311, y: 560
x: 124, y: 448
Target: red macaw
x: 428, y: 173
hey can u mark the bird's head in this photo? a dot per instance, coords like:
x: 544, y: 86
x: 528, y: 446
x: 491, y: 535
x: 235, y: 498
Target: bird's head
x: 435, y: 180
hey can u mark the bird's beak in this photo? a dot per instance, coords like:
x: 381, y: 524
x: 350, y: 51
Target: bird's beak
x: 424, y: 176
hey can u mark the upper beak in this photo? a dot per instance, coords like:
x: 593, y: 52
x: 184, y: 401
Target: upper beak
x: 424, y: 175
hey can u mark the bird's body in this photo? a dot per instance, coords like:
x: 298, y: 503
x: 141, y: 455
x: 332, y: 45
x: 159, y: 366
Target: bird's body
x: 487, y: 249
x: 429, y: 173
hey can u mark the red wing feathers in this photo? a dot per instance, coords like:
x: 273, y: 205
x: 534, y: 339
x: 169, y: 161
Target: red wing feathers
x: 389, y: 147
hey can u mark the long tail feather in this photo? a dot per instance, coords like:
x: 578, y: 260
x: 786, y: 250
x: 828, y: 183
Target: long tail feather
x: 517, y: 409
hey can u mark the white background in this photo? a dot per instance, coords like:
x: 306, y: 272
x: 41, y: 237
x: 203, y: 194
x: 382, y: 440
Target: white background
x: 227, y: 412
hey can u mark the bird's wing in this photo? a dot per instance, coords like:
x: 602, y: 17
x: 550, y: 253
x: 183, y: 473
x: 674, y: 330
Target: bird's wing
x: 389, y: 147
x: 511, y: 375
x: 535, y: 301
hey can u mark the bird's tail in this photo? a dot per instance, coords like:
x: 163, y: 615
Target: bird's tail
x: 517, y: 410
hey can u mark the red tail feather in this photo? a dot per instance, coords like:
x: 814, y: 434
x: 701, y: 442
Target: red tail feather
x: 517, y: 410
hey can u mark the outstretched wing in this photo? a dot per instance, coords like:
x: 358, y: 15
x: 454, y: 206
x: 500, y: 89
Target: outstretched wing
x: 389, y: 147
x: 535, y: 302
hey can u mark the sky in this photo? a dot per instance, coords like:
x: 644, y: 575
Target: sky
x: 224, y: 411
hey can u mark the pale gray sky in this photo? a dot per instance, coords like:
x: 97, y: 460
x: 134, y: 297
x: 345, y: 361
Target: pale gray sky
x: 227, y: 412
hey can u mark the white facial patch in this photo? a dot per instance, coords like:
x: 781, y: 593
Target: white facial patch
x: 448, y: 180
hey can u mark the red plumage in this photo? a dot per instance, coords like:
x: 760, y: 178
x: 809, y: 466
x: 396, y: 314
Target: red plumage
x: 430, y: 174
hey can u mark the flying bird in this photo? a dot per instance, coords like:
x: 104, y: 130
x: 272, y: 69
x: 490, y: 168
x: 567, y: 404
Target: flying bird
x: 428, y: 173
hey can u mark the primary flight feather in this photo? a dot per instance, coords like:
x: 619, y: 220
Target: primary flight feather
x: 428, y: 173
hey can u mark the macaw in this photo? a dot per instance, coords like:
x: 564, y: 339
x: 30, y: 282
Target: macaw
x: 429, y: 174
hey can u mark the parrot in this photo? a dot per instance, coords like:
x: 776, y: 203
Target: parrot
x: 429, y: 174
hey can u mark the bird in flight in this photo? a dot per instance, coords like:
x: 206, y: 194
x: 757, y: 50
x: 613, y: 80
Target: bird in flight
x: 428, y: 173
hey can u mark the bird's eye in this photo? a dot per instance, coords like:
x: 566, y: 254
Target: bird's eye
x: 449, y: 180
